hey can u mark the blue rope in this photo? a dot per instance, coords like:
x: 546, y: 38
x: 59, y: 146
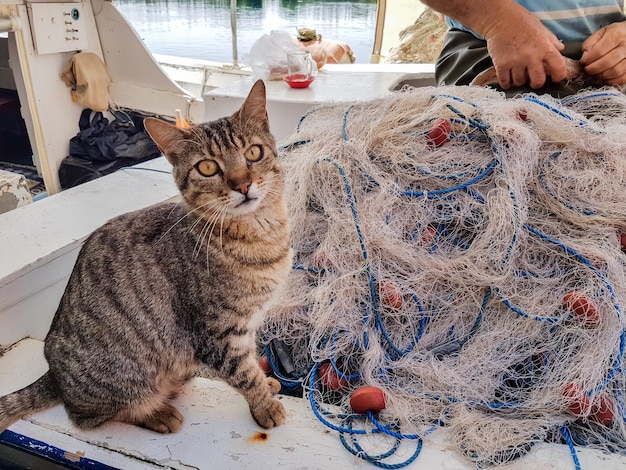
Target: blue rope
x: 438, y: 192
x: 620, y: 403
x: 567, y: 100
x: 359, y: 452
x: 455, y: 177
x: 344, y: 131
x: 455, y: 98
x: 299, y: 267
x: 381, y: 327
x: 472, y: 122
x: 357, y: 225
x: 304, y: 116
x: 319, y: 412
x: 388, y: 430
x: 521, y: 313
x: 286, y: 382
x: 333, y: 362
x: 556, y: 111
x: 568, y: 439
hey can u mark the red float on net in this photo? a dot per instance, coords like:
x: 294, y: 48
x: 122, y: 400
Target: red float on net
x: 367, y: 399
x: 603, y: 410
x: 264, y: 364
x: 390, y: 294
x: 439, y: 132
x: 579, y: 403
x: 331, y: 379
x: 583, y: 307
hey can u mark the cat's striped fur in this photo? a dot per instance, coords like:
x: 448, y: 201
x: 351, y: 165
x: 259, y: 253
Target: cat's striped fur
x: 158, y: 291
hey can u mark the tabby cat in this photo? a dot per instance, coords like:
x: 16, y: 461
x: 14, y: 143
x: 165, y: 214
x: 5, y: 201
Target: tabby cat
x: 157, y: 292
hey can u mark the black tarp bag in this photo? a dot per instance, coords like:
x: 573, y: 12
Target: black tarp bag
x: 102, y: 147
x: 105, y: 141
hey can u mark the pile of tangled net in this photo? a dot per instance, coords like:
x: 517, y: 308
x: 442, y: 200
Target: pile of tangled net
x: 461, y: 252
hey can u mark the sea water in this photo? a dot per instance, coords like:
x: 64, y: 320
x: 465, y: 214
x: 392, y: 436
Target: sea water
x: 201, y: 29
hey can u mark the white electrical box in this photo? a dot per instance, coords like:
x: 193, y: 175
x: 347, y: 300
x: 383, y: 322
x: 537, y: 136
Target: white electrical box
x: 57, y: 27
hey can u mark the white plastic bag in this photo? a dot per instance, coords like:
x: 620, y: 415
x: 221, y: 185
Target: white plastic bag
x: 268, y: 55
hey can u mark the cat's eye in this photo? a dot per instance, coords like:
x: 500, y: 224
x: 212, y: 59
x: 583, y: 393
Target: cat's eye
x: 254, y: 153
x: 207, y: 167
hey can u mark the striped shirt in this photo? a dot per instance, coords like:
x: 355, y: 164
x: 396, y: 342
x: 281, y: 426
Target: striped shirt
x: 569, y: 20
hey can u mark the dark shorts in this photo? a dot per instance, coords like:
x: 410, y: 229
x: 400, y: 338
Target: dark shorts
x: 462, y: 57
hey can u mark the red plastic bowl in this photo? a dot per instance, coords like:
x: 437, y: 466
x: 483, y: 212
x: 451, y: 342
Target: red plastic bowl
x: 298, y: 81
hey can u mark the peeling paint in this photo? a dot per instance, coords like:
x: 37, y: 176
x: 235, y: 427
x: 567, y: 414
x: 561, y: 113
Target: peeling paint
x: 13, y: 191
x: 8, y: 201
x: 74, y: 456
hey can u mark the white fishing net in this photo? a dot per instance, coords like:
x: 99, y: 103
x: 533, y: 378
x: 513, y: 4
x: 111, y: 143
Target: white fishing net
x: 476, y: 278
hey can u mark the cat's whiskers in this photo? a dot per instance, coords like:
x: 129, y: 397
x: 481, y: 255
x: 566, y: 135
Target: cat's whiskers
x: 198, y: 245
x: 209, y: 216
x: 209, y: 225
x: 180, y: 219
x: 222, y: 230
x: 273, y: 192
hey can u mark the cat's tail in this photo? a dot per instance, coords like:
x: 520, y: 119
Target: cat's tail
x: 36, y: 396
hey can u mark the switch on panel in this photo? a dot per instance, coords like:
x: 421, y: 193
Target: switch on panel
x: 57, y: 27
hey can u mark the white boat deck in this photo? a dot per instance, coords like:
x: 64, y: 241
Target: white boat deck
x: 219, y: 433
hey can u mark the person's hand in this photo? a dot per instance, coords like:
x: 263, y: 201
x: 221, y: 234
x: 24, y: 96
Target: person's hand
x: 604, y: 54
x: 523, y: 50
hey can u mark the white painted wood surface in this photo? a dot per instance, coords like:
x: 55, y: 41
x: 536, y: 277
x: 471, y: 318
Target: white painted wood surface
x: 39, y: 242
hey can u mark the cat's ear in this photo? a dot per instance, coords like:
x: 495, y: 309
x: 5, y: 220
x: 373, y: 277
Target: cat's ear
x: 254, y: 108
x: 167, y: 136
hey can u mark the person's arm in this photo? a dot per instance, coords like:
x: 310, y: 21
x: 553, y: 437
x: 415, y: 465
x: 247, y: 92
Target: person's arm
x: 604, y: 54
x: 522, y: 49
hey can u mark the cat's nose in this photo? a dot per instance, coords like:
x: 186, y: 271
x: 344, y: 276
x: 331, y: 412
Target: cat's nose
x: 242, y: 185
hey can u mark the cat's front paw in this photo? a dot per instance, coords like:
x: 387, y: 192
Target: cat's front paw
x: 270, y: 415
x: 167, y: 419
